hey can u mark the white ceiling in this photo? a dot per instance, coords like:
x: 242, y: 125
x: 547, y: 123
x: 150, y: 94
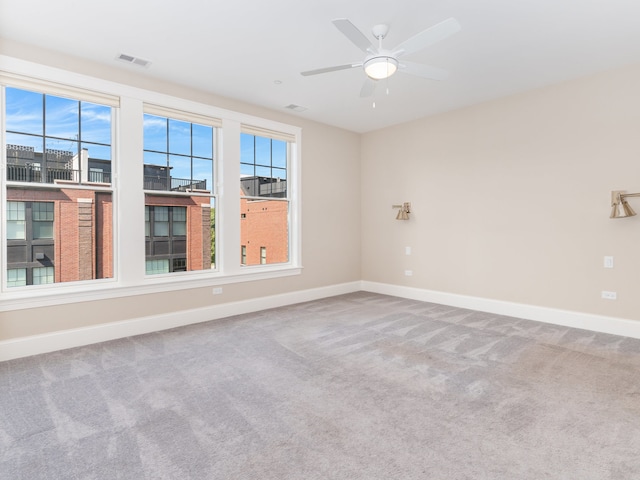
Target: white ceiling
x: 240, y: 48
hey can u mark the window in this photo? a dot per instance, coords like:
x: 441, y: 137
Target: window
x: 30, y: 244
x: 16, y: 277
x: 42, y: 213
x: 264, y: 203
x: 58, y: 222
x: 62, y: 221
x: 16, y: 226
x: 166, y: 249
x: 179, y: 196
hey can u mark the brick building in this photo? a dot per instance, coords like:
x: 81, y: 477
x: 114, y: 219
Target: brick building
x: 264, y: 235
x: 65, y: 234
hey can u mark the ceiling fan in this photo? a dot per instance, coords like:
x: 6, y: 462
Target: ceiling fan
x: 380, y: 63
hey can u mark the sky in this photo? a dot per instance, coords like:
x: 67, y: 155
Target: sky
x: 187, y: 148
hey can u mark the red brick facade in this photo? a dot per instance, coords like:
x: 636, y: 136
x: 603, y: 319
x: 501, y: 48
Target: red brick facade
x: 264, y: 223
x: 82, y: 226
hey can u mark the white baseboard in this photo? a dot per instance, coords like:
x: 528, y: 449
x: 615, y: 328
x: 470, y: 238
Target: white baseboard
x: 585, y: 321
x: 36, y: 344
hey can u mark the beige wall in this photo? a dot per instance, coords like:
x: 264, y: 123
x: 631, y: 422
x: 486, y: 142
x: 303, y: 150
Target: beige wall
x: 331, y: 237
x: 511, y: 198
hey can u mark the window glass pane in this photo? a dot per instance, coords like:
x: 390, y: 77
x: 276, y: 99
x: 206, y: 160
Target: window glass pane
x: 16, y: 277
x: 98, y: 152
x: 161, y: 221
x: 147, y: 222
x: 179, y: 265
x: 42, y: 211
x: 179, y: 137
x: 155, y: 133
x: 202, y: 141
x: 265, y: 228
x: 247, y: 170
x: 42, y: 275
x: 96, y: 123
x: 247, y: 147
x: 22, y: 148
x: 16, y: 230
x: 263, y: 151
x: 279, y: 153
x: 62, y: 117
x: 179, y: 221
x: 42, y: 230
x: 263, y: 171
x: 25, y: 112
x: 16, y: 225
x: 15, y: 211
x: 157, y: 266
x: 202, y: 175
x: 180, y: 172
x: 262, y: 166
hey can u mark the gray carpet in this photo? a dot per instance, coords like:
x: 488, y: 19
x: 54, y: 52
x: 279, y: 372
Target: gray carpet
x: 360, y: 386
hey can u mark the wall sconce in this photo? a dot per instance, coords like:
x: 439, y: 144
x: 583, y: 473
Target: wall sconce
x: 619, y: 206
x: 405, y: 210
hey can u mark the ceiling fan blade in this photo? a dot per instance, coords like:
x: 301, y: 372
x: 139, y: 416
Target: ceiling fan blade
x: 367, y: 88
x: 428, y: 37
x: 423, y: 70
x: 330, y: 69
x: 352, y: 32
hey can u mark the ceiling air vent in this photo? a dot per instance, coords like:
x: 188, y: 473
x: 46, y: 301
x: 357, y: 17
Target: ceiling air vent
x: 134, y: 60
x: 295, y: 108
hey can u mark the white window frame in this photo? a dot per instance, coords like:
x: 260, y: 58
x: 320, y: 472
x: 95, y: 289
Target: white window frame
x: 79, y: 93
x: 129, y: 263
x: 199, y: 119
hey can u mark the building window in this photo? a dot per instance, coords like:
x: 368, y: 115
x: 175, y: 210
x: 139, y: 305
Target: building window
x: 157, y: 266
x: 264, y: 201
x: 42, y: 213
x: 42, y: 275
x: 30, y: 244
x: 59, y: 224
x: 166, y: 249
x: 16, y: 225
x: 179, y: 196
x: 16, y: 277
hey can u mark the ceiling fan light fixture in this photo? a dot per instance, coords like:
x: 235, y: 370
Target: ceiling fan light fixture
x: 380, y: 67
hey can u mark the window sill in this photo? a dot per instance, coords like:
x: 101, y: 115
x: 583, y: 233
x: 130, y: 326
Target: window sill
x: 108, y: 289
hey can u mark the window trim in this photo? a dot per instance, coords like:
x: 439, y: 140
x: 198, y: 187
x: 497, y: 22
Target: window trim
x: 129, y: 279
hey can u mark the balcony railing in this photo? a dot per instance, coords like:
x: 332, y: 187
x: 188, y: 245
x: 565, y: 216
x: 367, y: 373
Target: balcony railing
x: 157, y: 182
x: 34, y: 174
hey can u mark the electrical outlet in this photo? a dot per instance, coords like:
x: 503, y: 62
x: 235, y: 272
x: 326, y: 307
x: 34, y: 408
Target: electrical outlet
x: 609, y: 295
x: 608, y: 262
x: 217, y: 290
x: 408, y: 273
x: 407, y: 250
